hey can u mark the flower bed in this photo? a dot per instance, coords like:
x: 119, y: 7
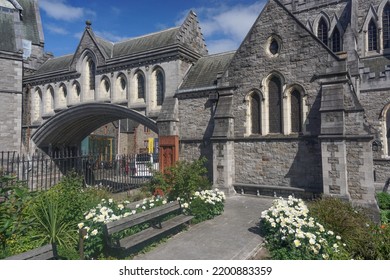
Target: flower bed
x: 291, y: 233
x: 109, y: 211
x: 204, y: 205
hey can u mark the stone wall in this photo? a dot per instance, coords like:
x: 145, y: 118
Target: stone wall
x: 374, y: 102
x: 10, y: 102
x: 279, y: 162
x: 194, y: 150
x: 381, y: 170
x: 10, y: 121
x: 196, y: 117
x: 301, y: 59
x: 360, y: 170
x: 311, y: 10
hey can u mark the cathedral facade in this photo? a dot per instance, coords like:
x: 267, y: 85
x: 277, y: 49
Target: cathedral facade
x: 301, y: 107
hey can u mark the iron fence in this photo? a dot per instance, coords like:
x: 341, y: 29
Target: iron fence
x: 119, y: 173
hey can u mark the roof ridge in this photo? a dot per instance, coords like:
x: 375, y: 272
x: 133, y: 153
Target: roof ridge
x: 146, y: 35
x: 101, y: 38
x: 220, y: 54
x: 61, y: 56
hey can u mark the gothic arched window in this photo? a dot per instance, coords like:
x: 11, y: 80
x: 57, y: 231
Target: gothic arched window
x: 255, y: 113
x: 336, y: 41
x: 275, y: 105
x: 296, y: 112
x: 160, y: 87
x: 141, y: 86
x: 372, y: 36
x: 91, y: 73
x: 386, y: 26
x: 62, y: 95
x: 37, y: 105
x: 76, y: 91
x: 49, y: 100
x: 322, y: 31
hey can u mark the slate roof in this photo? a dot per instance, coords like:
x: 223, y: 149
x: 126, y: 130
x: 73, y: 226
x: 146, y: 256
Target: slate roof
x: 112, y: 50
x: 146, y: 43
x: 56, y: 64
x: 204, y: 73
x: 6, y: 4
x: 30, y: 27
x: 7, y: 31
x: 105, y: 45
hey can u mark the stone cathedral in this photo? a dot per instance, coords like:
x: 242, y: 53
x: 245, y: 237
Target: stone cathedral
x: 301, y: 107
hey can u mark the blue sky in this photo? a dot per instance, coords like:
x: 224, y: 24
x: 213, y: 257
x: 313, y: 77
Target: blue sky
x: 224, y: 23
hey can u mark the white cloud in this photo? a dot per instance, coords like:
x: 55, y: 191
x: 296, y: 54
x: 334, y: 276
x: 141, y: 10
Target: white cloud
x: 56, y: 29
x: 222, y: 45
x: 116, y: 10
x: 60, y: 10
x: 224, y: 25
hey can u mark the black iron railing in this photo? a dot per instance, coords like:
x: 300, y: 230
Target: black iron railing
x: 40, y: 172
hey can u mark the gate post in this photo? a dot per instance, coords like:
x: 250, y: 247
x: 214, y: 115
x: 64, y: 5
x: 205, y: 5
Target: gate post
x: 168, y: 151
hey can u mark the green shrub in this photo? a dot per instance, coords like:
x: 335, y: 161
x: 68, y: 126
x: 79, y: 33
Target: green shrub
x: 13, y: 220
x: 72, y: 197
x: 385, y: 216
x: 383, y: 200
x: 51, y: 223
x: 181, y: 180
x: 17, y: 244
x: 358, y: 232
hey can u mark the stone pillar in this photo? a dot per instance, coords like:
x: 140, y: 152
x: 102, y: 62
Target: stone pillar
x: 223, y: 166
x: 334, y: 168
x: 223, y: 143
x: 347, y: 160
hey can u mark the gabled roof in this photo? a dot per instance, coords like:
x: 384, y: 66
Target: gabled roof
x: 146, y: 43
x: 55, y: 64
x: 16, y: 4
x: 6, y: 4
x: 105, y: 46
x: 204, y: 73
x: 31, y: 22
x: 187, y: 38
x: 7, y: 31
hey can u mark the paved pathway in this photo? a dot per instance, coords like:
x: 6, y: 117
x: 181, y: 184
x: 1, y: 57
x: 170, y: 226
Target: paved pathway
x: 230, y: 236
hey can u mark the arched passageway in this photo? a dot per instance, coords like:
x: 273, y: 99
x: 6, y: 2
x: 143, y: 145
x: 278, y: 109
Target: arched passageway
x: 69, y: 127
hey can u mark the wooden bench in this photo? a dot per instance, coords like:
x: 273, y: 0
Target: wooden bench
x: 46, y: 252
x: 153, y: 217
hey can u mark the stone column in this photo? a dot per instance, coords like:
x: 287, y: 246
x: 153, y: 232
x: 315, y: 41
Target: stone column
x: 223, y: 143
x: 334, y: 167
x: 223, y: 166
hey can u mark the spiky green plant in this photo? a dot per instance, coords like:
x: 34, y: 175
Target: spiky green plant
x: 50, y: 224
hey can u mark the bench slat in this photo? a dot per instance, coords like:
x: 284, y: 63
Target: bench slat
x: 151, y: 232
x: 142, y: 217
x: 42, y: 253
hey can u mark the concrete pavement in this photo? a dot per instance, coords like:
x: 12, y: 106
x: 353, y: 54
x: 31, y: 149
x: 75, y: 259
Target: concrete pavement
x: 234, y: 235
